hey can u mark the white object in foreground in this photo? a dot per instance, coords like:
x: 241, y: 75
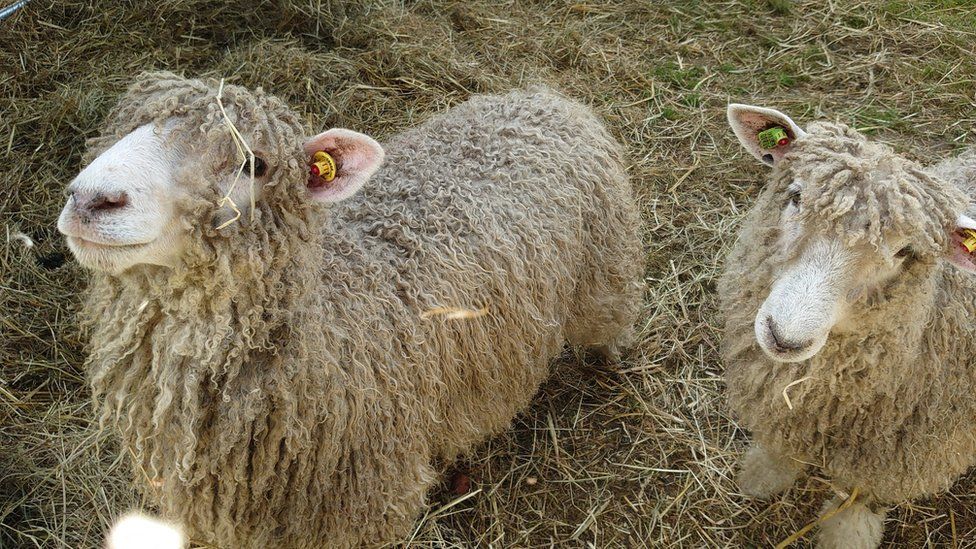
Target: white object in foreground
x: 138, y: 531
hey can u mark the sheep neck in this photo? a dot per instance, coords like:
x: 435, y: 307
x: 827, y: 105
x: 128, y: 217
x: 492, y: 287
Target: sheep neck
x: 166, y: 345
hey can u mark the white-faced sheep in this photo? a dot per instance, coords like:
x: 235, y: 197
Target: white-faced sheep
x: 269, y: 364
x: 848, y: 303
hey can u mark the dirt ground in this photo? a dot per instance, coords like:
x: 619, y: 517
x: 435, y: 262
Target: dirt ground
x: 637, y: 454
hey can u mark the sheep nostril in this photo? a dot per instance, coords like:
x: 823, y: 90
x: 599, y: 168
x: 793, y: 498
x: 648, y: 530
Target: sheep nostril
x: 783, y: 344
x: 772, y: 331
x: 107, y: 202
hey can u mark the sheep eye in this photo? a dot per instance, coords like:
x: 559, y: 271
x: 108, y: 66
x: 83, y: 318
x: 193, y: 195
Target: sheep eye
x: 260, y: 167
x: 904, y: 252
x: 794, y: 198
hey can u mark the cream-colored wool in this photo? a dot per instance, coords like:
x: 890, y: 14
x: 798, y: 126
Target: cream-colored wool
x: 857, y: 527
x: 281, y: 389
x: 888, y: 406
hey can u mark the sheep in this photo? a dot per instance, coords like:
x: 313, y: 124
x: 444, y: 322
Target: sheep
x: 848, y: 301
x: 288, y: 359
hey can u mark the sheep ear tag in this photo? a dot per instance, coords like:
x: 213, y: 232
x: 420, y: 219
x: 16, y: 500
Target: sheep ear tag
x: 962, y: 251
x: 322, y: 170
x: 773, y: 137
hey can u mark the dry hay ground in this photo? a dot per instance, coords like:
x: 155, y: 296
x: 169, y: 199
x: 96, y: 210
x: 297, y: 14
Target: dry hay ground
x: 640, y: 454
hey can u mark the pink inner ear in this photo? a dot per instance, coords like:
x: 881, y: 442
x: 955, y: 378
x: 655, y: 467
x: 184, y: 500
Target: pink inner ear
x: 959, y: 255
x: 748, y: 121
x: 761, y: 124
x: 756, y: 123
x: 357, y: 157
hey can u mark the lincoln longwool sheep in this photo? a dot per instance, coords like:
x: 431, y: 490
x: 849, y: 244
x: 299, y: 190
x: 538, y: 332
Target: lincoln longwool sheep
x: 282, y: 355
x: 849, y: 306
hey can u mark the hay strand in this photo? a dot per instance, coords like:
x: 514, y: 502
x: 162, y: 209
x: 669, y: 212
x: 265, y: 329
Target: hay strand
x: 247, y: 159
x: 454, y: 313
x: 825, y: 517
x: 786, y: 396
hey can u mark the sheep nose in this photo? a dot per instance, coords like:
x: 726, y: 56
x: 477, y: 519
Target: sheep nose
x: 91, y: 203
x: 783, y: 344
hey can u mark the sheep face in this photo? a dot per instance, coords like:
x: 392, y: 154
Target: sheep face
x: 819, y: 284
x: 128, y: 206
x: 171, y: 177
x: 845, y: 222
x: 121, y: 209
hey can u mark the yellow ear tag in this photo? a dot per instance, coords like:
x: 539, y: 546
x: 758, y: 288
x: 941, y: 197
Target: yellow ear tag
x: 969, y: 239
x: 323, y: 165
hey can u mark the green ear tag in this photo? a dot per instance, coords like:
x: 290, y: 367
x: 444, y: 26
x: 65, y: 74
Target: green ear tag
x: 773, y: 137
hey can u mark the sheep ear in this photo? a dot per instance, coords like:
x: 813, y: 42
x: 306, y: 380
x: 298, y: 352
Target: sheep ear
x: 748, y: 122
x: 356, y: 156
x: 958, y: 253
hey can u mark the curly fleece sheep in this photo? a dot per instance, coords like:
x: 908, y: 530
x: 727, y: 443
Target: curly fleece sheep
x: 849, y: 289
x: 273, y: 373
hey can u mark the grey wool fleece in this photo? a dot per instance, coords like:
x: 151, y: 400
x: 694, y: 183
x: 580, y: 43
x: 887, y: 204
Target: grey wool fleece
x: 283, y: 387
x: 887, y: 405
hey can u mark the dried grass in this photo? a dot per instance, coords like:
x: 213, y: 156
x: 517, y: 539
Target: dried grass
x: 454, y: 313
x: 640, y: 454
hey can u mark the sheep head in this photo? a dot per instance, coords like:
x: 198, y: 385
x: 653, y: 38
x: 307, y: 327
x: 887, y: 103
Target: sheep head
x: 183, y: 165
x: 846, y: 222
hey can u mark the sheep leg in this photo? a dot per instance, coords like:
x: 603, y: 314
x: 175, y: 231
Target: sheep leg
x: 602, y: 335
x: 857, y: 527
x: 765, y: 473
x: 607, y: 301
x: 602, y: 325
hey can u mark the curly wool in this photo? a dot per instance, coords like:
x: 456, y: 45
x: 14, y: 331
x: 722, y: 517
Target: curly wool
x: 281, y: 388
x: 886, y: 406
